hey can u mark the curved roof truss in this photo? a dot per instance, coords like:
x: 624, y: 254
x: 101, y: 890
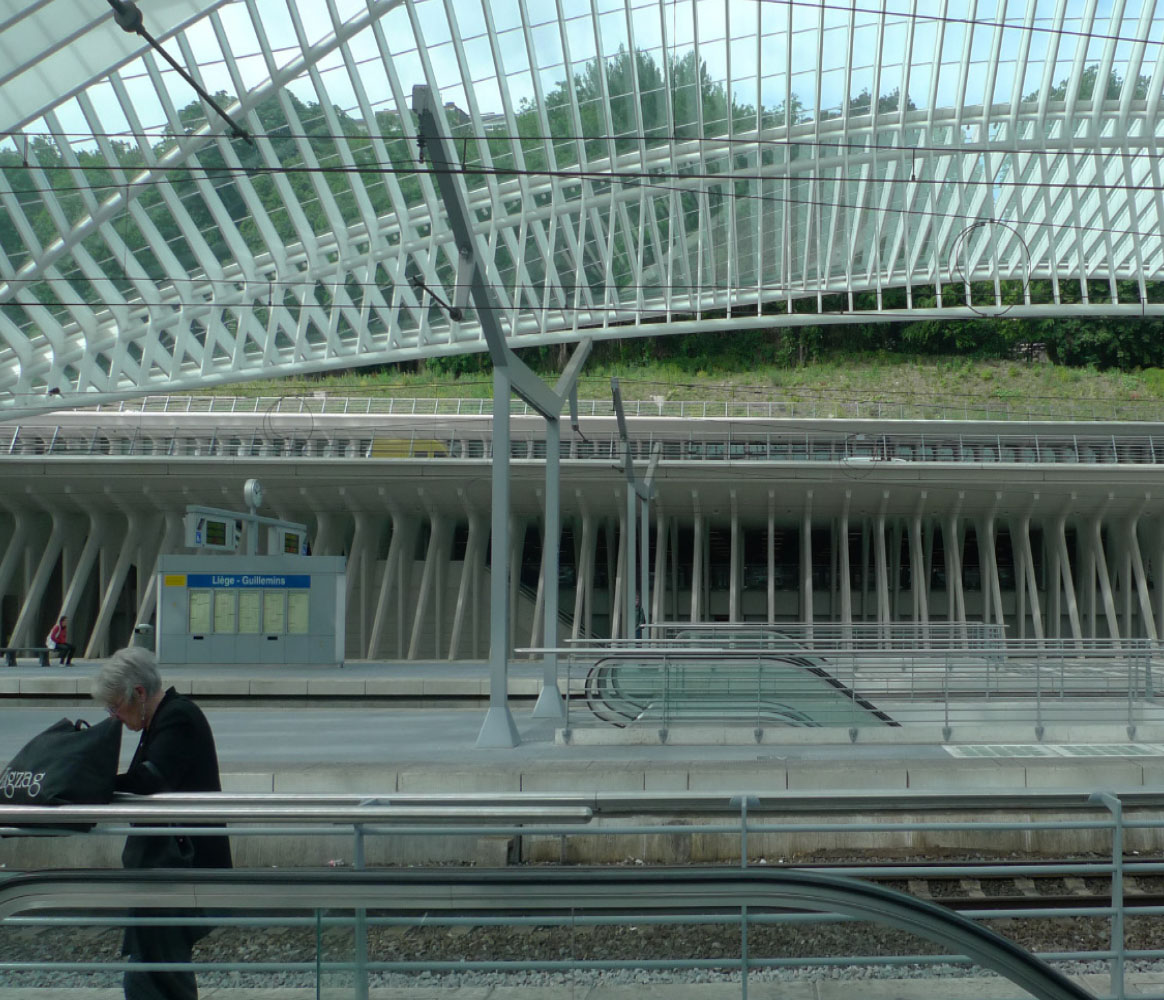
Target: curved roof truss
x: 635, y: 167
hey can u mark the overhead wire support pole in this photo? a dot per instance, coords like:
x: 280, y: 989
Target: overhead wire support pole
x: 510, y: 374
x: 129, y: 19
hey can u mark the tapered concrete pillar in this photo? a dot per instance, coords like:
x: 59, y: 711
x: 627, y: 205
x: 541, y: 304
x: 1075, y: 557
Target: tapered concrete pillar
x: 1101, y: 574
x: 135, y: 527
x: 843, y: 560
x: 806, y: 609
x: 1141, y: 581
x: 734, y: 570
x: 881, y: 574
x: 697, y: 568
x: 28, y: 621
x: 659, y: 597
x: 470, y: 571
x: 771, y: 547
x: 426, y: 592
x: 1068, y: 583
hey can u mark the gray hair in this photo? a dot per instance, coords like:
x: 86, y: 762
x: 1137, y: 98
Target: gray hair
x: 122, y: 672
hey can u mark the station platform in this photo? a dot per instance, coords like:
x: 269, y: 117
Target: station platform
x: 413, y: 727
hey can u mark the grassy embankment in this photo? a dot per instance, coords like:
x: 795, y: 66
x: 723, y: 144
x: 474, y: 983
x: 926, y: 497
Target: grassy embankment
x: 900, y: 386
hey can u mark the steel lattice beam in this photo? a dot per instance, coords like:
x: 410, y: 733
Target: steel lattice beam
x: 634, y: 171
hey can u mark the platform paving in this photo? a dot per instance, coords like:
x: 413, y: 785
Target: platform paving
x: 298, y: 728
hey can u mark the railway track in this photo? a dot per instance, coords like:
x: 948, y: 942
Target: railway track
x: 1052, y: 889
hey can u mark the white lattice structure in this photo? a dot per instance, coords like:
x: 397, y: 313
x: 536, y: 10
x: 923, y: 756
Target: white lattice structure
x: 755, y: 163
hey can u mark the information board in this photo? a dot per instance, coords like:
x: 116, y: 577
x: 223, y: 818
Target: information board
x: 225, y: 611
x: 249, y: 611
x: 298, y: 602
x: 274, y: 614
x: 199, y: 612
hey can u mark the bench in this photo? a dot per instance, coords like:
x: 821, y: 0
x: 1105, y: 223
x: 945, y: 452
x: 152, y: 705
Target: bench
x: 11, y: 652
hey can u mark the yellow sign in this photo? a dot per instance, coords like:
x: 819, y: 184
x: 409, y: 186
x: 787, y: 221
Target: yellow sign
x: 175, y: 579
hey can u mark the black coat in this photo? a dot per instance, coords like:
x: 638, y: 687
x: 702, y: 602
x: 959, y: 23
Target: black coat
x: 176, y: 754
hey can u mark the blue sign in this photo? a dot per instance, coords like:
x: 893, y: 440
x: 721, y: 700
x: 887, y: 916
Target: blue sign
x: 267, y: 581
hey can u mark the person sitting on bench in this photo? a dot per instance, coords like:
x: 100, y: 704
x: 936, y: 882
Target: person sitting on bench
x: 58, y: 639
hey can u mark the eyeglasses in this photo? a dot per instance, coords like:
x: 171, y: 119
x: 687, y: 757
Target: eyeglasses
x: 113, y: 710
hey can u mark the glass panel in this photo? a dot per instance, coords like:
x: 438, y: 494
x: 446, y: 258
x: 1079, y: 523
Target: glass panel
x: 249, y: 603
x: 274, y: 612
x: 199, y: 611
x: 298, y: 602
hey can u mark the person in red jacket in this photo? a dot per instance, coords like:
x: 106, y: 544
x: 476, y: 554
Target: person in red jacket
x: 59, y: 640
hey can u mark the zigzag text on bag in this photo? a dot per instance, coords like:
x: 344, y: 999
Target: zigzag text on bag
x: 13, y: 781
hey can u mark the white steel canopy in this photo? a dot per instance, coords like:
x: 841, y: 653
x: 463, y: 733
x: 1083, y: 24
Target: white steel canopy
x: 635, y: 166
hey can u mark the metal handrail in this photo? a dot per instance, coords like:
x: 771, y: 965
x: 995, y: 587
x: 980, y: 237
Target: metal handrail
x: 542, y: 891
x: 743, y: 815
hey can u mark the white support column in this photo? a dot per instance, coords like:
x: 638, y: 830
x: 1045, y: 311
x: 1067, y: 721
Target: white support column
x: 425, y: 593
x: 439, y: 613
x: 326, y: 541
x: 1141, y: 579
x: 1086, y: 539
x: 917, y: 565
x: 1054, y: 590
x: 363, y: 540
x: 697, y: 565
x: 618, y: 626
x: 895, y: 571
x: 29, y: 618
x: 845, y: 569
x: 866, y: 546
x: 806, y: 563
x: 14, y: 555
x: 955, y: 598
x: 1101, y: 573
x: 517, y: 530
x: 881, y: 570
x: 137, y: 526
x: 75, y: 582
x: 674, y: 535
x: 1124, y: 561
x: 1028, y: 573
x: 1065, y: 575
x: 537, y: 623
x: 928, y: 558
x: 470, y: 569
x: 659, y: 597
x: 402, y: 538
x: 584, y: 596
x: 1157, y: 555
x: 170, y: 540
x: 734, y: 570
x: 771, y: 540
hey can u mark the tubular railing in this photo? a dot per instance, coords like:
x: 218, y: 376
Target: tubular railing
x: 810, y: 408
x: 353, y: 437
x: 777, y: 677
x: 358, y: 901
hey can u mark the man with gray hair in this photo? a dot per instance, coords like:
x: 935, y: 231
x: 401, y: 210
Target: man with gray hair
x: 176, y: 753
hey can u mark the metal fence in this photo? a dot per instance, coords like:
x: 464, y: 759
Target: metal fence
x: 785, y: 406
x: 754, y: 894
x: 353, y: 437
